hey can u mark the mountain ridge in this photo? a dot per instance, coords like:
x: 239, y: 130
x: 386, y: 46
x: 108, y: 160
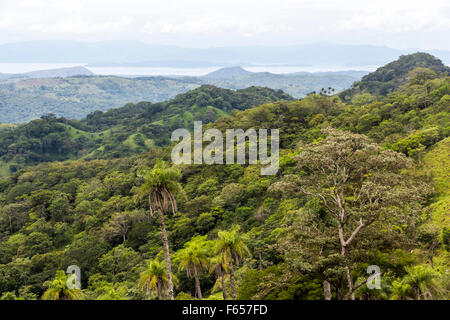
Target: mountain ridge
x: 135, y: 52
x: 391, y: 76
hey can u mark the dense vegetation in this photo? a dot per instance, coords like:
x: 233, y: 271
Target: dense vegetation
x: 296, y: 84
x: 75, y: 97
x: 360, y: 183
x: 131, y: 129
x: 389, y: 77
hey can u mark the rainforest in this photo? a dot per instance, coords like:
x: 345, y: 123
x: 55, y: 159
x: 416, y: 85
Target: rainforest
x: 363, y: 184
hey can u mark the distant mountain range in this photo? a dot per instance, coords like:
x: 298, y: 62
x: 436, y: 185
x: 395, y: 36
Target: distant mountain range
x: 126, y: 53
x: 239, y: 72
x: 75, y: 92
x: 137, y: 127
x: 296, y: 84
x: 25, y: 97
x: 229, y: 72
x: 52, y: 73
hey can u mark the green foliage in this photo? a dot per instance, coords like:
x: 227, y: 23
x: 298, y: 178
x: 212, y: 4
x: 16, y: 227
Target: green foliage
x: 95, y: 213
x: 417, y: 68
x: 154, y: 278
x: 58, y: 289
x: 131, y: 129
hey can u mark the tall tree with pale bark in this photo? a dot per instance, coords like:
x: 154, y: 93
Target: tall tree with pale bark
x: 363, y: 192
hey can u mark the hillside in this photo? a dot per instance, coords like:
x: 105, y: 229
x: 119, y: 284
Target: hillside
x: 131, y: 129
x: 60, y: 72
x: 75, y: 97
x: 22, y: 100
x: 229, y: 72
x: 391, y: 76
x: 95, y: 214
x: 297, y: 85
x: 50, y: 73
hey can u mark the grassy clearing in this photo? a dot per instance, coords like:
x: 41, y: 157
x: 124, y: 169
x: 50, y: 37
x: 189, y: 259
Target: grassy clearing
x: 436, y: 163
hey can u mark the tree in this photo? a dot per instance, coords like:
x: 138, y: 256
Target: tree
x: 100, y: 289
x: 417, y: 282
x: 58, y: 289
x: 118, y: 261
x: 161, y: 185
x: 118, y: 225
x: 13, y: 216
x: 360, y: 187
x: 229, y: 247
x: 193, y: 258
x: 59, y: 207
x: 218, y: 265
x: 154, y: 278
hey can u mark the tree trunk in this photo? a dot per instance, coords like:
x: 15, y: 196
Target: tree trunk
x: 347, y: 269
x: 224, y: 287
x: 166, y: 255
x: 197, y: 284
x: 326, y: 290
x: 233, y: 285
x: 158, y: 289
x: 351, y: 294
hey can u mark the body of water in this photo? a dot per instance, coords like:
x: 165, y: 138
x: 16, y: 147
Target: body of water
x: 166, y: 71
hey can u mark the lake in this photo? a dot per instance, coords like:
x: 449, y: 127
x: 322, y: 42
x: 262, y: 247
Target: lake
x: 166, y: 71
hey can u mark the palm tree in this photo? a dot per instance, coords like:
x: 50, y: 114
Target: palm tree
x: 400, y: 290
x: 219, y: 266
x: 112, y: 292
x: 415, y: 284
x: 194, y: 257
x: 420, y: 278
x: 229, y: 247
x: 154, y: 278
x: 160, y: 184
x: 58, y: 289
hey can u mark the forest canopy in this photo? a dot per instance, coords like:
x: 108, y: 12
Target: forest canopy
x: 362, y: 182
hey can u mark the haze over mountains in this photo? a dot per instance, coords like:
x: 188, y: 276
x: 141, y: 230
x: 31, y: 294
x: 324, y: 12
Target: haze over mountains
x: 51, y: 73
x: 74, y: 92
x: 126, y: 53
x: 137, y: 127
x: 25, y: 97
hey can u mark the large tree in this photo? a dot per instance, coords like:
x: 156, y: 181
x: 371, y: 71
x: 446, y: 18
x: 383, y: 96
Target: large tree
x: 219, y: 266
x: 160, y: 185
x: 193, y: 258
x: 362, y: 191
x: 231, y: 248
x: 154, y: 277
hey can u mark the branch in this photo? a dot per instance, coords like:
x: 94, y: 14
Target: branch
x: 324, y: 200
x: 354, y: 233
x: 372, y: 276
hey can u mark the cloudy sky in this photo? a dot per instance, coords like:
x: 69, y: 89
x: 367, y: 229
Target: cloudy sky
x: 400, y: 24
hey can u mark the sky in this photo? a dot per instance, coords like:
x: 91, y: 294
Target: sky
x: 423, y: 24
